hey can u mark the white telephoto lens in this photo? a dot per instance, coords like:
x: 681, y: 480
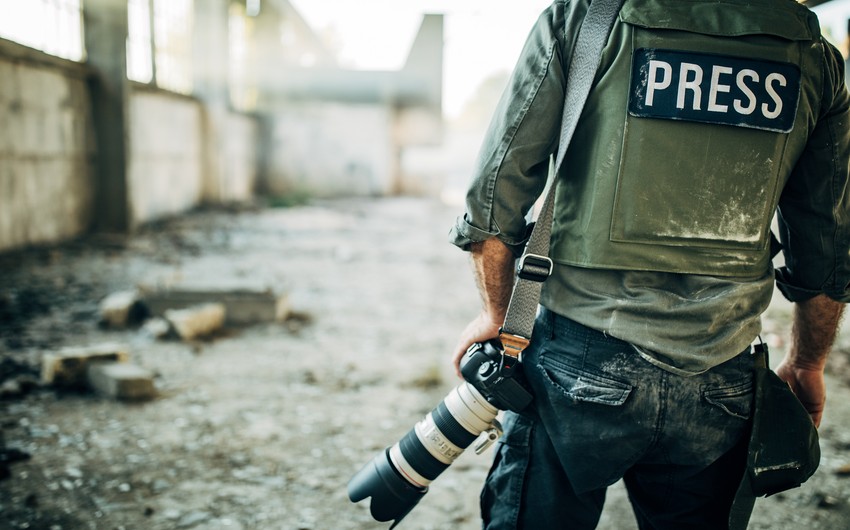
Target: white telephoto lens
x: 406, y: 470
x: 436, y: 442
x: 470, y: 409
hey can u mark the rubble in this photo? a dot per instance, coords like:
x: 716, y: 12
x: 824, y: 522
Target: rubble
x: 197, y: 321
x: 157, y: 328
x: 122, y: 309
x: 18, y: 386
x: 244, y: 305
x: 122, y: 381
x: 191, y: 313
x: 104, y: 368
x: 68, y: 368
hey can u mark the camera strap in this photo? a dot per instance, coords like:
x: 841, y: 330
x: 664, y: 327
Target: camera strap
x: 535, y: 265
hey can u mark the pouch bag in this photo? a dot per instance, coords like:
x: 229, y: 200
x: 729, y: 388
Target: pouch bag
x: 783, y: 450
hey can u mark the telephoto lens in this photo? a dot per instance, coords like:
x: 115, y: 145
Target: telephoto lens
x: 398, y: 478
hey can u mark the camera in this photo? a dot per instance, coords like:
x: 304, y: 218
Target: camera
x: 397, y: 478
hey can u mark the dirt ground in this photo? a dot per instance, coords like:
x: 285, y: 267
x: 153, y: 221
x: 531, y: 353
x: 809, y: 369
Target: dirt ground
x: 261, y: 427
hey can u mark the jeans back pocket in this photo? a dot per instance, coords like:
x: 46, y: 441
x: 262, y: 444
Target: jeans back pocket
x: 734, y: 398
x: 583, y: 385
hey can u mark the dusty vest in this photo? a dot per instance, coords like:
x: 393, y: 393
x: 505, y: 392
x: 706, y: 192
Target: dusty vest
x: 698, y: 115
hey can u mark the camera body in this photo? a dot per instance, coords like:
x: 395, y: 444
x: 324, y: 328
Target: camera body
x: 497, y: 376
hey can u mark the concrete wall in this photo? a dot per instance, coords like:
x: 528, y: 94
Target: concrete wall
x: 165, y: 174
x: 83, y: 149
x: 420, y: 133
x: 331, y: 149
x: 338, y: 149
x: 47, y: 152
x: 241, y: 162
x: 332, y: 131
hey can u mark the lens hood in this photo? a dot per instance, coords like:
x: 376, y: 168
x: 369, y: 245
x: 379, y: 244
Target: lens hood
x: 392, y: 496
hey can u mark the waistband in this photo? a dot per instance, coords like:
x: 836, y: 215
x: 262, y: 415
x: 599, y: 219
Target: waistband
x: 553, y: 324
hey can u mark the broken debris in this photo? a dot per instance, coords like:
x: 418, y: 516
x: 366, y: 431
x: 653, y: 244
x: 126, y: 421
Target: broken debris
x: 122, y: 381
x: 68, y: 367
x: 122, y: 309
x: 196, y: 322
x: 103, y: 368
x: 244, y: 305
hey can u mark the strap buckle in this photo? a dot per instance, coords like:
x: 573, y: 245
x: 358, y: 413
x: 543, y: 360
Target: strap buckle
x: 513, y: 344
x: 534, y: 267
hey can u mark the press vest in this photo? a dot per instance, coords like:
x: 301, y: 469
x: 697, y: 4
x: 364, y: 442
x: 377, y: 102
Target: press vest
x: 681, y: 154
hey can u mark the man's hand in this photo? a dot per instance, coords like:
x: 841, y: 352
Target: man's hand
x: 808, y: 385
x: 813, y: 332
x: 479, y: 330
x: 493, y: 266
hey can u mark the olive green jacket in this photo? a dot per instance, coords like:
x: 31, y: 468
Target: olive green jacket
x: 705, y: 118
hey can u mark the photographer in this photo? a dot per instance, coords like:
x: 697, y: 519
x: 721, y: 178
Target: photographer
x: 704, y: 119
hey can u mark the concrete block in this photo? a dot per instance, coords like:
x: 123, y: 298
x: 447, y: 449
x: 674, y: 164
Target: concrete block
x: 244, y: 306
x: 157, y: 328
x: 68, y: 367
x: 122, y: 309
x: 123, y: 381
x: 196, y: 322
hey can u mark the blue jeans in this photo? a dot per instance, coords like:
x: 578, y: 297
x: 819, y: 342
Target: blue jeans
x: 601, y: 412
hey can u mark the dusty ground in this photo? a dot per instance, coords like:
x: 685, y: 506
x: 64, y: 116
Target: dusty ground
x: 262, y: 427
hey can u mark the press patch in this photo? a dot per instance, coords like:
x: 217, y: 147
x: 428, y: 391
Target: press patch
x: 708, y: 88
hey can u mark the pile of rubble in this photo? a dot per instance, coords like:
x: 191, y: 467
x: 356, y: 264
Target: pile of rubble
x: 187, y: 314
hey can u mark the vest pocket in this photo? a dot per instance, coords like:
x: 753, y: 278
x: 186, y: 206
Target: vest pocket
x: 697, y: 185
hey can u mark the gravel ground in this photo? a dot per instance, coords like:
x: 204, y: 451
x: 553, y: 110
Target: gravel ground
x: 261, y: 427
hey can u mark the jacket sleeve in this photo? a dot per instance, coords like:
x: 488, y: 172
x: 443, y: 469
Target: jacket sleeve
x: 513, y: 163
x: 814, y: 209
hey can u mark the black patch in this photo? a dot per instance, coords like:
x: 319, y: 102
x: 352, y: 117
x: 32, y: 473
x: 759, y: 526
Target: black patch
x: 708, y: 88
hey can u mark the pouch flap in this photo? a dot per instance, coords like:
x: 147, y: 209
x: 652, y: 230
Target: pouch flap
x: 784, y: 450
x: 784, y: 19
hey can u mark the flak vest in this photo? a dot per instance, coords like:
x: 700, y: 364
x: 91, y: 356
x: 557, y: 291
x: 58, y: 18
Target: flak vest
x: 699, y: 112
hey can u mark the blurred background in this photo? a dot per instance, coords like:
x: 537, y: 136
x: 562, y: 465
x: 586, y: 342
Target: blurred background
x: 127, y: 112
x: 143, y: 109
x: 246, y: 202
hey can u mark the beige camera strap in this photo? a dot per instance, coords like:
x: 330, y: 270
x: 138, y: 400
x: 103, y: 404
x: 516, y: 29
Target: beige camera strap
x: 535, y: 265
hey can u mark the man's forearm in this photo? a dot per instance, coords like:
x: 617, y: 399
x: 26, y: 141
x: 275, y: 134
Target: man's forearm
x: 813, y: 331
x: 812, y: 334
x: 493, y: 264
